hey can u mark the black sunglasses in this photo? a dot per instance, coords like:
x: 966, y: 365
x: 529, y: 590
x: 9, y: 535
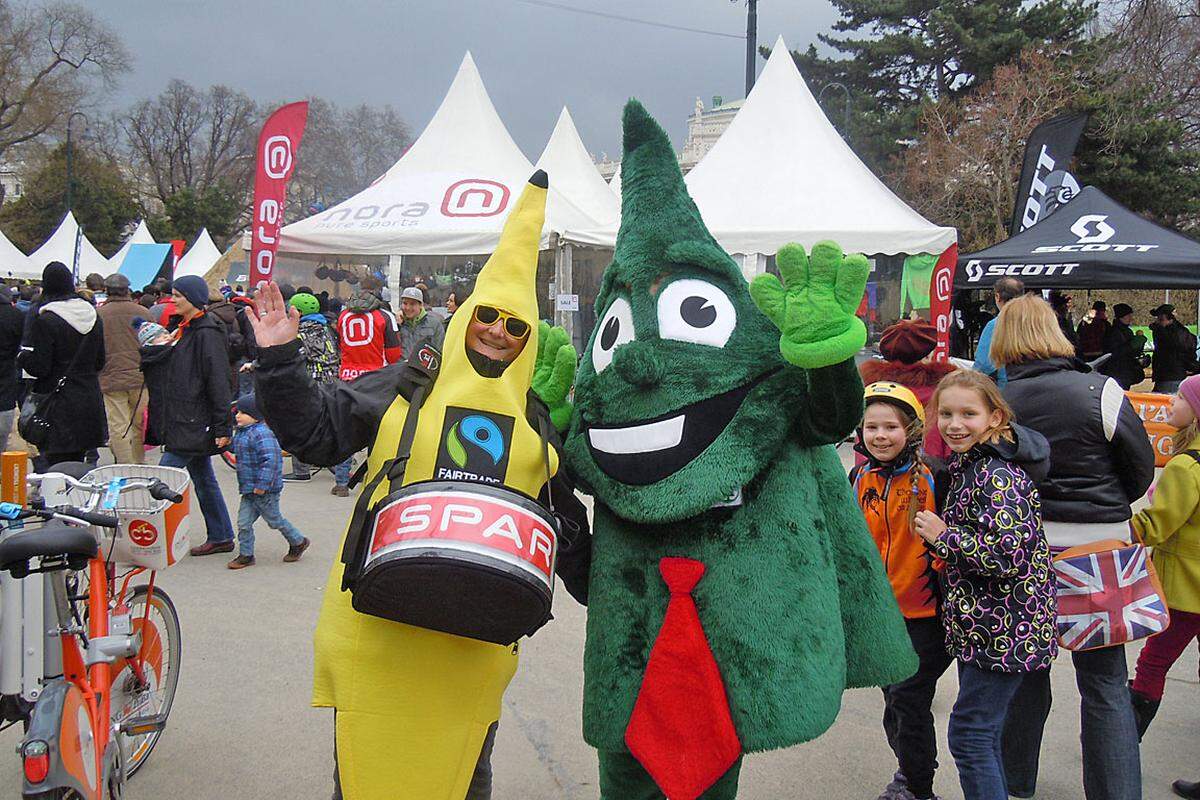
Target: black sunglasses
x: 514, y: 327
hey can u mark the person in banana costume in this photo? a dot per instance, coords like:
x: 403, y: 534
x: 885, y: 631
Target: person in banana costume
x: 416, y: 709
x: 735, y: 592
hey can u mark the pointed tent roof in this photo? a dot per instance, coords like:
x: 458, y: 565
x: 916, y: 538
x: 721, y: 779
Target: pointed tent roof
x: 449, y: 193
x: 1091, y: 242
x: 61, y: 247
x: 199, y: 258
x: 14, y: 263
x: 614, y: 183
x: 141, y: 235
x: 574, y: 173
x: 781, y: 173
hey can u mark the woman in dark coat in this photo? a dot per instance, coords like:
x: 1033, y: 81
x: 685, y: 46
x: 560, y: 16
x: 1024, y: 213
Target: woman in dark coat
x: 64, y: 337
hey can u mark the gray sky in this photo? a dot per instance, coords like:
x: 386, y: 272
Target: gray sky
x: 405, y: 53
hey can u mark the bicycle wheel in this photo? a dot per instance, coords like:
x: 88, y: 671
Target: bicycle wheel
x: 160, y: 666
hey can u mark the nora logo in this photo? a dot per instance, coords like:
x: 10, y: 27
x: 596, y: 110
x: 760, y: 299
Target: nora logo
x: 474, y: 446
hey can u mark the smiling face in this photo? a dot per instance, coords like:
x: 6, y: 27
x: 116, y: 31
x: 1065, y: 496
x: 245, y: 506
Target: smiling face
x: 1182, y: 414
x: 964, y: 417
x: 884, y: 432
x: 494, y: 341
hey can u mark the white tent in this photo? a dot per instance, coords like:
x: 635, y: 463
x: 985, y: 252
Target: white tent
x: 781, y: 173
x: 141, y: 235
x: 14, y: 263
x: 61, y: 247
x: 448, y: 194
x: 199, y: 258
x: 573, y: 173
x: 614, y: 183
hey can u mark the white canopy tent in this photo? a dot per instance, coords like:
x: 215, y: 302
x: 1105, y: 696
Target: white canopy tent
x: 199, y: 258
x: 14, y: 263
x: 141, y: 235
x: 573, y: 173
x: 61, y: 247
x: 614, y: 184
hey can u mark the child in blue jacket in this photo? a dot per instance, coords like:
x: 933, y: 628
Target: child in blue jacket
x: 260, y: 480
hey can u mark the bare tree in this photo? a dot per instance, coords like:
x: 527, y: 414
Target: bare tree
x: 54, y: 59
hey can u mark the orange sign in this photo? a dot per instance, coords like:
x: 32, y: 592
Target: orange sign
x: 1155, y: 409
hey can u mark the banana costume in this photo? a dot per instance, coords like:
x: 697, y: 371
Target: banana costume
x: 414, y: 705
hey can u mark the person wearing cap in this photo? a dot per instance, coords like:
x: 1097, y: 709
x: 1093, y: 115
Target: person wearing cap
x: 906, y: 347
x: 1174, y: 350
x: 121, y: 378
x: 1092, y: 330
x: 418, y: 326
x: 1124, y: 348
x: 1003, y: 291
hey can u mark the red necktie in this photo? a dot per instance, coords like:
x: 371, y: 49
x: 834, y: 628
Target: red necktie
x: 681, y: 730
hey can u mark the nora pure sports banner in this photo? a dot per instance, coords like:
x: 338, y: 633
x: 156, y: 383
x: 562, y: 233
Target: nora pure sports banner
x: 276, y: 157
x: 1045, y: 182
x: 941, y: 290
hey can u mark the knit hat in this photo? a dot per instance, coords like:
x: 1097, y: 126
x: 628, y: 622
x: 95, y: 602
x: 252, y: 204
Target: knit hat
x: 147, y: 331
x: 57, y: 280
x: 248, y: 405
x: 908, y: 341
x: 194, y: 289
x: 1121, y: 309
x: 305, y: 303
x: 1189, y: 390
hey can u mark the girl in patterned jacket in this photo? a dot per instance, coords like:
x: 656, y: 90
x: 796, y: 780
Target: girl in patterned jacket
x: 998, y: 593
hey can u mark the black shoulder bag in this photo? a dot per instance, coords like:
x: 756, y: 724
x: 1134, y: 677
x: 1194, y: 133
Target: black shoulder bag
x: 33, y: 424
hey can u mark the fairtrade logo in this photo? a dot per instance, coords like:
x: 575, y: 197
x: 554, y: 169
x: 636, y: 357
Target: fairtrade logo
x: 277, y: 157
x: 142, y: 533
x: 1087, y: 234
x: 479, y: 431
x: 475, y: 197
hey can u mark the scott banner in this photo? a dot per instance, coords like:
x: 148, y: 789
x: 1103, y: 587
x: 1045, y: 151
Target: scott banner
x: 1045, y: 182
x: 277, y: 147
x: 941, y: 290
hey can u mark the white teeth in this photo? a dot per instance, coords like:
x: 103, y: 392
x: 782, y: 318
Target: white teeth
x: 639, y: 438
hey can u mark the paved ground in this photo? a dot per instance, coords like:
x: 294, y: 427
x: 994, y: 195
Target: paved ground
x: 242, y: 728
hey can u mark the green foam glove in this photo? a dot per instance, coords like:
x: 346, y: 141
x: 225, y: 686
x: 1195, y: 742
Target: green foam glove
x: 814, y: 305
x: 554, y: 372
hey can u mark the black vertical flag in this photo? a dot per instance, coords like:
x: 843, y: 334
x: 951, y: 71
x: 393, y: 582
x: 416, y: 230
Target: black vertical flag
x: 1046, y: 183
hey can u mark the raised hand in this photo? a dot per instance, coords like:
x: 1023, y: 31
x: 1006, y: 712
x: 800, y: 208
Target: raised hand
x: 274, y: 321
x: 554, y: 372
x: 814, y: 305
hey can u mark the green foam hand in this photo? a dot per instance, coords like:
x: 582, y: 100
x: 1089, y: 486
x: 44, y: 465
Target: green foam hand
x: 554, y: 372
x: 814, y: 305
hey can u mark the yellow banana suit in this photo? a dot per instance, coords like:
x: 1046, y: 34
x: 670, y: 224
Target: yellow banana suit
x: 414, y: 705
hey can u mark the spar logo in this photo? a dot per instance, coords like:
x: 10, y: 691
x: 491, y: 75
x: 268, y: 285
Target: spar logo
x: 142, y: 533
x: 1093, y: 228
x: 475, y: 197
x: 277, y: 157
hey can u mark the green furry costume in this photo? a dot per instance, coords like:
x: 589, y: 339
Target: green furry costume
x: 703, y: 432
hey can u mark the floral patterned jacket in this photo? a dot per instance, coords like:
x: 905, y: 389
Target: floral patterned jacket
x: 998, y: 604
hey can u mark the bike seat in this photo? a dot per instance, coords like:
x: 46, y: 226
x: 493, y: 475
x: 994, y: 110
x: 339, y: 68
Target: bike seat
x: 77, y: 545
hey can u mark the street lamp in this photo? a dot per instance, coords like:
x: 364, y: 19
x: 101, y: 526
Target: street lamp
x: 845, y: 109
x: 78, y: 227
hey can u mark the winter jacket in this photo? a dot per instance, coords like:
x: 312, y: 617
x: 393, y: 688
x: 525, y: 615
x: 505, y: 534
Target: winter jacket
x: 1124, y: 365
x: 190, y: 394
x: 12, y: 327
x: 1174, y: 352
x: 886, y: 492
x: 259, y: 459
x: 922, y: 378
x: 1171, y: 525
x: 998, y: 602
x: 1091, y: 335
x: 122, y: 363
x: 320, y: 348
x: 76, y: 414
x: 983, y: 354
x: 1101, y: 459
x: 369, y: 340
x: 425, y: 329
x: 324, y: 425
x: 237, y: 329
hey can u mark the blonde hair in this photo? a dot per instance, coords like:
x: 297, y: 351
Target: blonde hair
x: 1183, y: 437
x: 1027, y: 330
x: 986, y: 388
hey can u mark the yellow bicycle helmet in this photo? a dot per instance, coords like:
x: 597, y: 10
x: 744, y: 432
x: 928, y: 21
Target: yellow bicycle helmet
x: 897, y: 395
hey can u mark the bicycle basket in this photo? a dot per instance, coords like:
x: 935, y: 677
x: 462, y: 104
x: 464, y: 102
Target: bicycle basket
x: 153, y: 533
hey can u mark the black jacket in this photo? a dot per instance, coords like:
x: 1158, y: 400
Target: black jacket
x: 1101, y: 459
x: 190, y: 393
x: 12, y: 327
x: 1174, y: 352
x: 1125, y: 362
x: 326, y: 424
x: 76, y: 412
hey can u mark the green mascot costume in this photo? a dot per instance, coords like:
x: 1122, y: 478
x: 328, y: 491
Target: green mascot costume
x: 735, y: 592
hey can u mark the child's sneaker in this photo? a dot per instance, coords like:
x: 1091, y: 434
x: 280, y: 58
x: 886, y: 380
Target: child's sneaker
x: 340, y: 491
x: 295, y: 551
x: 241, y: 562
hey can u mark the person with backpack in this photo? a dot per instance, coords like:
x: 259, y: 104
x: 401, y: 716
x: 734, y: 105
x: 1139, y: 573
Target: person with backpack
x: 1174, y: 350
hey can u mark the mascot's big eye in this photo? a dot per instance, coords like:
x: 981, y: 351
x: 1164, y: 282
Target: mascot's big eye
x: 692, y: 310
x: 613, y: 331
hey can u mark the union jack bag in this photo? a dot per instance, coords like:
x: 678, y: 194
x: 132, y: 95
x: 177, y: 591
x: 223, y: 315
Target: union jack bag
x: 1108, y: 594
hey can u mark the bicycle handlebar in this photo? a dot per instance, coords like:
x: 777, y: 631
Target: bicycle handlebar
x: 158, y: 489
x: 14, y: 511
